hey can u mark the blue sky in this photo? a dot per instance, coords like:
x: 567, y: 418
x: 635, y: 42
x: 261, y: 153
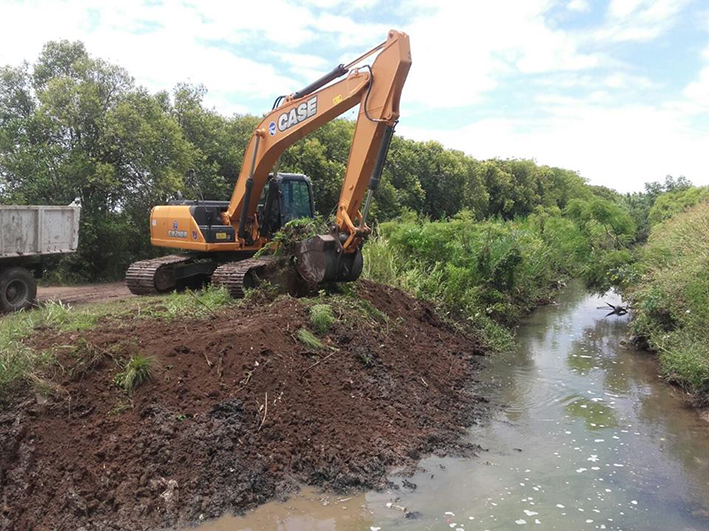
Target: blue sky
x: 615, y: 89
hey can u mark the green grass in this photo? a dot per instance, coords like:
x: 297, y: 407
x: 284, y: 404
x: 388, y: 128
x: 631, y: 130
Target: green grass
x: 307, y: 338
x: 669, y: 291
x: 199, y: 304
x: 321, y: 318
x: 18, y: 362
x: 487, y: 274
x: 138, y: 370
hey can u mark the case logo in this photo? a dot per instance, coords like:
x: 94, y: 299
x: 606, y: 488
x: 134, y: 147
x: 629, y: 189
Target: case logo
x: 298, y: 114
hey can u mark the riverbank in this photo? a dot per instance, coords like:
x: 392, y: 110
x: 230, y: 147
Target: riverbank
x: 584, y: 435
x: 668, y: 288
x: 162, y: 412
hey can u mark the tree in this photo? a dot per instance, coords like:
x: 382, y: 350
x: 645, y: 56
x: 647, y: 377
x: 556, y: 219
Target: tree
x: 76, y: 127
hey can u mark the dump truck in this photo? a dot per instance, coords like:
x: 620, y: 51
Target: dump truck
x: 29, y: 234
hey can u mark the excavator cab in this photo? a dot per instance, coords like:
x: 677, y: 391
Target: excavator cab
x: 286, y: 196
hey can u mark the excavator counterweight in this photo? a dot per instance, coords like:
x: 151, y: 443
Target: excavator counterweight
x: 221, y: 237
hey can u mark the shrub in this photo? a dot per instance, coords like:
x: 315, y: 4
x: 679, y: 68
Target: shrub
x: 487, y: 273
x: 670, y: 298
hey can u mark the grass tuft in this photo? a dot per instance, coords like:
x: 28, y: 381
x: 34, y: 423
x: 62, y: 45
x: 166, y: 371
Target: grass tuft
x: 199, y: 304
x: 306, y: 337
x: 138, y: 370
x: 321, y: 318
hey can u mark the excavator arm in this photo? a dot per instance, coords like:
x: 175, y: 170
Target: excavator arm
x: 377, y: 90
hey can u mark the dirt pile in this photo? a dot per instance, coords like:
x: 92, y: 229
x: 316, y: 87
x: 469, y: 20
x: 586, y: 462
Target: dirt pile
x: 238, y: 411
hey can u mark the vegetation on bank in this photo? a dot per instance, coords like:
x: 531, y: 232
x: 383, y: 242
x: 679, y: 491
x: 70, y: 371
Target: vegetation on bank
x: 491, y: 273
x: 668, y: 287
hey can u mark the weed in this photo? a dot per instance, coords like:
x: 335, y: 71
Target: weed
x: 322, y: 318
x: 199, y: 304
x: 306, y: 337
x: 363, y: 356
x: 265, y: 293
x: 45, y: 387
x: 283, y: 242
x: 487, y: 274
x: 121, y: 407
x: 136, y: 371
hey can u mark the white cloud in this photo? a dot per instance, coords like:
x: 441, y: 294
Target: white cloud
x: 464, y: 54
x: 175, y: 47
x: 347, y: 5
x: 580, y: 6
x: 301, y: 60
x: 697, y: 92
x: 467, y: 48
x: 621, y: 148
x: 640, y: 20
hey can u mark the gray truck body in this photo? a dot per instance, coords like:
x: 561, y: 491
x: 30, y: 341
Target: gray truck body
x: 38, y: 230
x: 28, y: 233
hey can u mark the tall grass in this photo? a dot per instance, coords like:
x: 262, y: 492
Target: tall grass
x: 488, y: 273
x: 670, y: 296
x: 17, y: 360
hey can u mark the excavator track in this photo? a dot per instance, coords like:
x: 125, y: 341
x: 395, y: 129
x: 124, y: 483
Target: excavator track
x: 150, y: 277
x: 237, y: 277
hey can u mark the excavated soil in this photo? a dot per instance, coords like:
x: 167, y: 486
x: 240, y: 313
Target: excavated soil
x: 237, y: 412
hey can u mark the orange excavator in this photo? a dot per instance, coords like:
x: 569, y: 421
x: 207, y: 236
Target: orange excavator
x: 221, y: 237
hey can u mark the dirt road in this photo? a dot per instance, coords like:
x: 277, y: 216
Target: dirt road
x: 90, y: 293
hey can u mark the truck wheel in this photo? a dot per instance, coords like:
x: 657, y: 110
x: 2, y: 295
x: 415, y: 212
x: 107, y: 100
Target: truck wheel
x: 18, y: 289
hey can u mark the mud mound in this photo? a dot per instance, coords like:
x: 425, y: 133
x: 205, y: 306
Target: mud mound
x: 237, y: 412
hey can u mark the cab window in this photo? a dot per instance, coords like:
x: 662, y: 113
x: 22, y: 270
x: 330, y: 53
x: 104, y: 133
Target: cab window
x: 296, y: 200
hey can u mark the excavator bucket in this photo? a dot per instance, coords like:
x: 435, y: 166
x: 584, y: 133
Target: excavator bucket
x: 321, y: 259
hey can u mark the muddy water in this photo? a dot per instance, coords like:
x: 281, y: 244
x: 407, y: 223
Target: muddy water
x: 587, y: 437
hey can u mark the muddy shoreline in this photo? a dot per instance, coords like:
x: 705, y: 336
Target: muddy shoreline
x: 238, y: 412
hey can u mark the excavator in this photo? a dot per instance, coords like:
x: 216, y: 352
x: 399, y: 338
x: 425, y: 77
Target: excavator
x: 219, y: 239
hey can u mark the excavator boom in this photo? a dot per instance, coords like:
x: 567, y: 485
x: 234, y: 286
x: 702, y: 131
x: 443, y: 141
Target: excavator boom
x: 377, y: 90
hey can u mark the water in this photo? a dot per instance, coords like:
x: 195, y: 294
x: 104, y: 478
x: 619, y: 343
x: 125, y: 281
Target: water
x: 587, y: 438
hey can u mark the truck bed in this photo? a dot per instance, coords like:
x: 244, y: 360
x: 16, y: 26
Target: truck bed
x: 38, y: 230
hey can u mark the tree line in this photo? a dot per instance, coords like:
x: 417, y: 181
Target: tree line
x: 76, y: 126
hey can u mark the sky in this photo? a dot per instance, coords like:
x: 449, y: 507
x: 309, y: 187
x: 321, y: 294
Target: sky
x: 617, y: 90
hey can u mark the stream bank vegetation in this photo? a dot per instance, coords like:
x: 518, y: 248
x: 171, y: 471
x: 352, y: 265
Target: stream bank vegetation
x: 664, y: 275
x: 489, y: 274
x: 668, y: 286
